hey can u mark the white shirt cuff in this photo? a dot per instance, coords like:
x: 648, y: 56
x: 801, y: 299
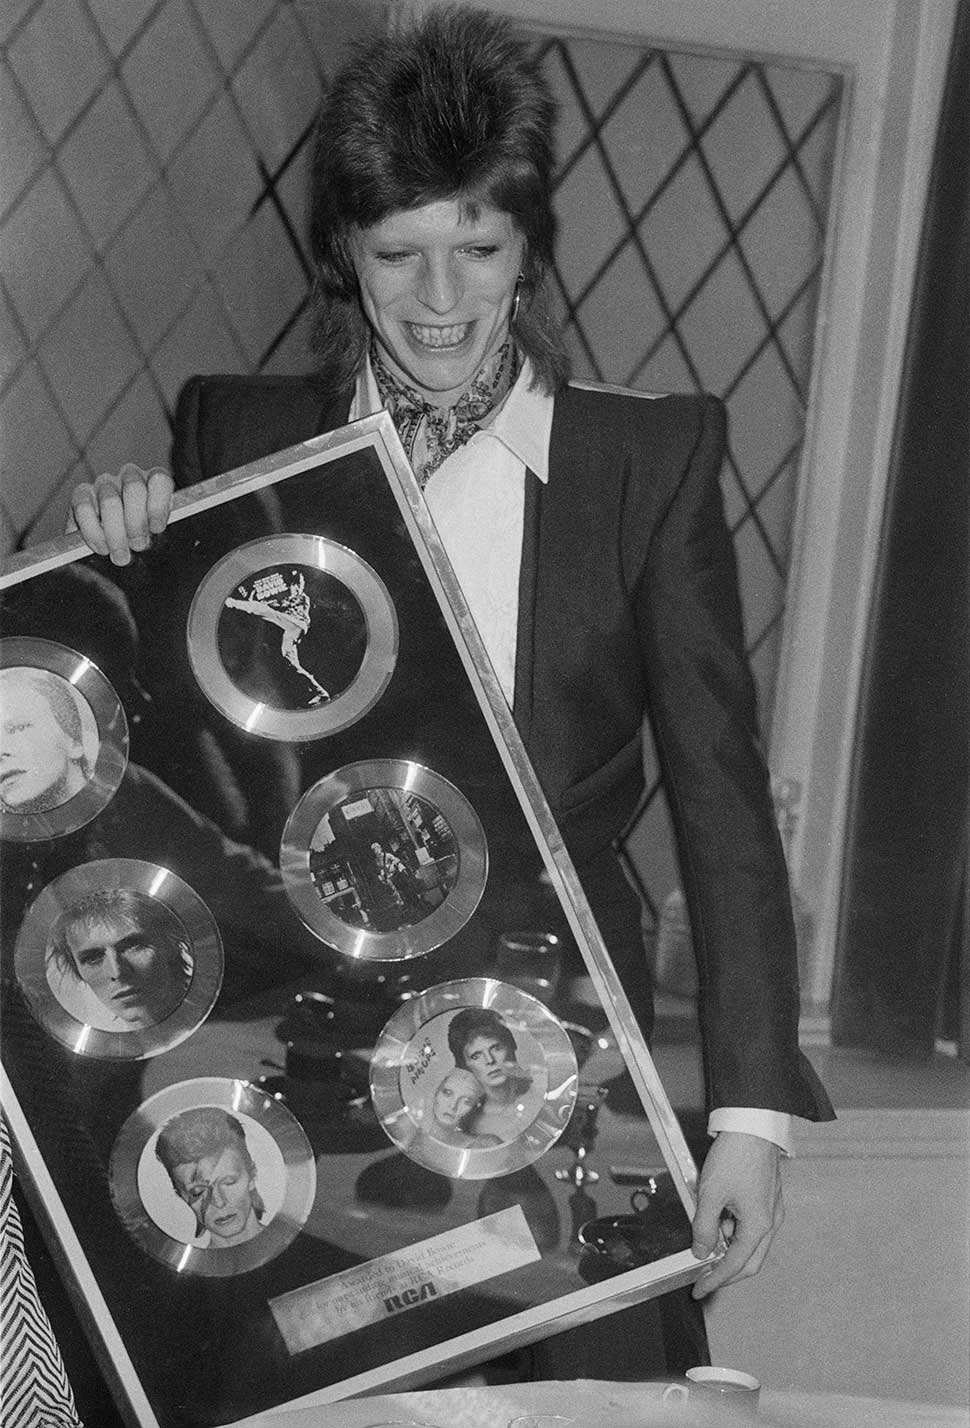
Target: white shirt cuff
x: 775, y: 1126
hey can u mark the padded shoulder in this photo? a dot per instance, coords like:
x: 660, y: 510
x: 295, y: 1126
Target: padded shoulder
x: 629, y: 410
x: 639, y: 445
x: 636, y: 457
x: 621, y: 391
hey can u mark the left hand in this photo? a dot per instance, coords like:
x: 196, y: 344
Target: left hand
x: 120, y: 512
x: 739, y: 1196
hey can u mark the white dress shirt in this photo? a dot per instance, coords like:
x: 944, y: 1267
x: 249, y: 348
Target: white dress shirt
x: 477, y: 501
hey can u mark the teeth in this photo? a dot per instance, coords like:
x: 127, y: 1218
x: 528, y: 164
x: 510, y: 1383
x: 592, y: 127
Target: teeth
x: 440, y: 336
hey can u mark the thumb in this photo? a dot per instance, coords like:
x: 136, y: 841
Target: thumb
x: 705, y: 1227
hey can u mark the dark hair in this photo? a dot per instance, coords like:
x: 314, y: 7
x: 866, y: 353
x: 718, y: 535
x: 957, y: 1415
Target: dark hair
x: 452, y: 108
x: 477, y: 1021
x: 152, y: 918
x: 205, y: 1130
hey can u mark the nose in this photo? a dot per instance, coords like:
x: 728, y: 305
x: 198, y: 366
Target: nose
x: 439, y: 288
x: 217, y: 1195
x: 112, y: 964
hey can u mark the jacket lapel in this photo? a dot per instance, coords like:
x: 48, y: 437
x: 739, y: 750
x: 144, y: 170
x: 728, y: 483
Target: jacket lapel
x: 525, y: 630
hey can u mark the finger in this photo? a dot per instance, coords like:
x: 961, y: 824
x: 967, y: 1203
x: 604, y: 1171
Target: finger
x: 745, y: 1254
x: 160, y: 490
x: 110, y: 506
x: 707, y: 1219
x: 755, y: 1262
x: 728, y: 1268
x: 134, y: 500
x: 741, y: 1261
x: 84, y: 518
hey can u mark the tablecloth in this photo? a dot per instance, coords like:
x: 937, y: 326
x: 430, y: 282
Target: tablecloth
x: 592, y: 1403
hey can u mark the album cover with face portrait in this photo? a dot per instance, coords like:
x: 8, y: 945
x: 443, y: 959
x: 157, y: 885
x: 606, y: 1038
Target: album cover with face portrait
x: 319, y: 1072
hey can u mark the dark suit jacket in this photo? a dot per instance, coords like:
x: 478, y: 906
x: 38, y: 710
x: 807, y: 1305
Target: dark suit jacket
x: 628, y: 605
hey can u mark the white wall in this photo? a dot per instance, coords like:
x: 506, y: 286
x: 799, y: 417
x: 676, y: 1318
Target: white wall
x: 867, y: 1289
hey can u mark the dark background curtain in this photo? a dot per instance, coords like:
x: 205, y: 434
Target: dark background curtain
x: 901, y: 969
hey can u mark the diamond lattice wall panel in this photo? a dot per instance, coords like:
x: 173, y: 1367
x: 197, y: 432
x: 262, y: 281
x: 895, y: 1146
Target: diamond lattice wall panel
x: 693, y: 199
x: 151, y: 217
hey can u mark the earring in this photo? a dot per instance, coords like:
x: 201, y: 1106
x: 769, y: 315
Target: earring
x: 516, y: 300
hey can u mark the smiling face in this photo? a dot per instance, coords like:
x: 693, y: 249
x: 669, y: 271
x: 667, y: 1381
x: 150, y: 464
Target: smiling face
x: 436, y: 286
x: 456, y: 1098
x: 138, y: 981
x: 219, y: 1190
x: 40, y: 763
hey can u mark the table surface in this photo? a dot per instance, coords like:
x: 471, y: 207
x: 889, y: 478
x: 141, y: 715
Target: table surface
x: 592, y: 1403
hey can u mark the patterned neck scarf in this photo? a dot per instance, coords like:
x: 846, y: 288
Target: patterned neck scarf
x: 428, y: 433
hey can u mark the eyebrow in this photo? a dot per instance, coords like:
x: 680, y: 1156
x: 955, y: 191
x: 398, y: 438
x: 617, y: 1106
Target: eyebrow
x: 134, y: 939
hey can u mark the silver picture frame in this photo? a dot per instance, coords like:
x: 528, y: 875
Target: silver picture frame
x: 403, y: 1263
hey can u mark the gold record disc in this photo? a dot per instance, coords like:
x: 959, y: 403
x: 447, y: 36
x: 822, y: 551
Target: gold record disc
x: 384, y: 860
x: 212, y: 1176
x: 119, y: 959
x: 474, y: 1078
x: 292, y: 637
x: 64, y: 740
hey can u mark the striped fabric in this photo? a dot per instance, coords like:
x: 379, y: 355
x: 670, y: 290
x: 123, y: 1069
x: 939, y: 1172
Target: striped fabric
x: 34, y: 1391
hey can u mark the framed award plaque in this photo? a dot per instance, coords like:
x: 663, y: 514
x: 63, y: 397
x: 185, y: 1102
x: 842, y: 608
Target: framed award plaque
x: 311, y: 1042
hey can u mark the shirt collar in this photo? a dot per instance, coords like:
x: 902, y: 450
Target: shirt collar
x: 523, y: 425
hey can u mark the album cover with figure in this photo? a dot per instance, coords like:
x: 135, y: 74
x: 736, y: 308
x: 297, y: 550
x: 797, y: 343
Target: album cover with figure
x: 316, y: 1060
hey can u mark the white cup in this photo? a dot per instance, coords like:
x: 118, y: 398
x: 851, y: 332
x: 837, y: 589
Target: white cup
x: 542, y: 1420
x: 731, y: 1389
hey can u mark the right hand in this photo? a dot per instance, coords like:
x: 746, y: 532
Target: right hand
x: 119, y: 513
